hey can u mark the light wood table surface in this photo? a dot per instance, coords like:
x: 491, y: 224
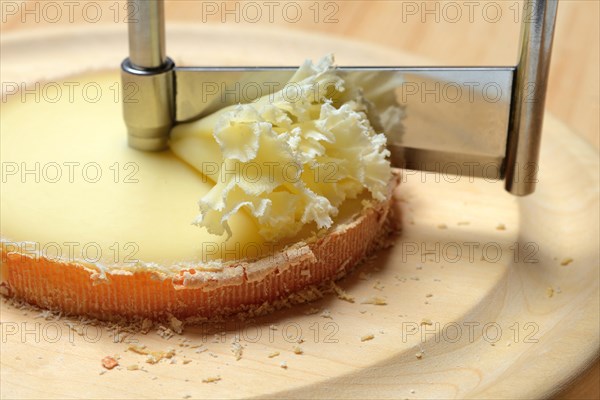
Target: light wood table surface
x: 446, y: 32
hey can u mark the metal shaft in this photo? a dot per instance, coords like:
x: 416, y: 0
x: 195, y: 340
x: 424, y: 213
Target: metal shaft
x: 147, y: 34
x: 529, y: 96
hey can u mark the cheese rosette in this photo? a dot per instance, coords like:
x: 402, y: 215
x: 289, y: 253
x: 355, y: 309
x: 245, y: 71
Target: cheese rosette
x: 290, y: 158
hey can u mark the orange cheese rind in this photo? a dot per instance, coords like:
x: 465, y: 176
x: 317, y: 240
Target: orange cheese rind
x: 213, y: 290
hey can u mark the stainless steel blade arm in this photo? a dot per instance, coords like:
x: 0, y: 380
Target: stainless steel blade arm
x: 529, y: 96
x: 478, y: 136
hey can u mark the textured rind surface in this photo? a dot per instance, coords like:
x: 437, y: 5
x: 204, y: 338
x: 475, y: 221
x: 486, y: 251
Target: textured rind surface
x: 241, y: 286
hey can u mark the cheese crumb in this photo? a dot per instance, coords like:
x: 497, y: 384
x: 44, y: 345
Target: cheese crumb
x: 147, y: 324
x: 341, y: 294
x: 369, y: 336
x: 164, y: 332
x: 426, y: 321
x: 501, y: 227
x: 153, y: 357
x: 211, y: 379
x: 176, y: 325
x: 237, y: 349
x: 109, y: 362
x: 566, y: 261
x: 375, y: 300
x: 274, y: 354
x: 312, y: 310
x: 298, y: 350
x: 283, y: 365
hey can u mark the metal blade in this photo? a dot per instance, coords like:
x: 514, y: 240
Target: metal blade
x: 455, y: 120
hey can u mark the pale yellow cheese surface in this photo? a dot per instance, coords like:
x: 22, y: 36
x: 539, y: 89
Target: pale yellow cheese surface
x: 73, y: 190
x: 140, y: 208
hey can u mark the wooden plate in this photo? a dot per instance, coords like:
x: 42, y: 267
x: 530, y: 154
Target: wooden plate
x: 478, y: 303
